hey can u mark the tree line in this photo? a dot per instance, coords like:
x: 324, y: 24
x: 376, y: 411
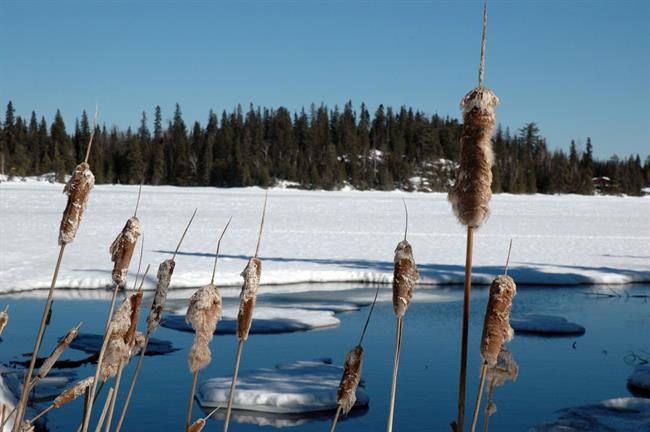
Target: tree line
x: 318, y: 148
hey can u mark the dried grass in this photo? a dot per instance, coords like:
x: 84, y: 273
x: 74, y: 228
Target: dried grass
x: 56, y: 354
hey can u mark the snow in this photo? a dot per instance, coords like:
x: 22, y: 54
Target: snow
x: 300, y: 387
x: 319, y: 236
x: 621, y: 415
x: 92, y: 343
x: 7, y: 400
x: 639, y: 381
x: 265, y: 320
x: 546, y: 325
x: 47, y: 389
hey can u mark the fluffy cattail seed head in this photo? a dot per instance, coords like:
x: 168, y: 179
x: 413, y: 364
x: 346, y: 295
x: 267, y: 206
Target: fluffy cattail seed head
x: 496, y: 327
x: 58, y: 350
x: 248, y: 297
x: 405, y: 277
x: 73, y: 392
x: 122, y: 250
x: 471, y: 194
x: 165, y: 271
x: 347, y: 392
x: 78, y: 189
x: 203, y: 313
x: 122, y: 337
x: 4, y: 319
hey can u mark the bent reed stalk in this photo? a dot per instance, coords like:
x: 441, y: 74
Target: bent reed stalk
x: 405, y: 276
x: 78, y: 189
x: 203, y: 312
x: 346, y: 395
x: 164, y: 275
x: 248, y: 297
x: 471, y: 194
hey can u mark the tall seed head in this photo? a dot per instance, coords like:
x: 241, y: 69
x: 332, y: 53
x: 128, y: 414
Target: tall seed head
x: 203, y: 313
x: 347, y: 392
x: 248, y: 297
x: 78, y: 190
x: 405, y: 276
x: 496, y: 327
x: 165, y: 271
x: 122, y: 250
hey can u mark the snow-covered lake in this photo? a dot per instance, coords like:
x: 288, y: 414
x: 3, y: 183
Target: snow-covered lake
x: 315, y: 236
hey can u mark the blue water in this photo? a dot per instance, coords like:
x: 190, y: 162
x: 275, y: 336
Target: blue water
x: 554, y: 372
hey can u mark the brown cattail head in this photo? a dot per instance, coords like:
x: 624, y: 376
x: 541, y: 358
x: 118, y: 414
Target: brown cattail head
x: 165, y: 271
x: 496, y: 327
x: 122, y: 250
x: 4, y: 319
x: 470, y: 196
x: 78, y: 189
x: 347, y: 392
x: 58, y: 350
x: 248, y: 297
x: 73, y: 392
x: 203, y: 313
x: 405, y: 277
x: 121, y: 340
x: 197, y: 426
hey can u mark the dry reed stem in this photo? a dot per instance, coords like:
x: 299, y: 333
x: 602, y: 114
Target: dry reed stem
x: 479, y: 396
x: 22, y: 402
x: 4, y: 319
x: 198, y: 425
x: 122, y: 250
x: 56, y: 354
x: 393, y: 387
x: 113, y: 398
x: 91, y: 397
x: 496, y: 326
x: 102, y: 416
x: 138, y: 366
x: 190, y: 401
x: 335, y: 420
x: 74, y: 392
x: 233, y: 384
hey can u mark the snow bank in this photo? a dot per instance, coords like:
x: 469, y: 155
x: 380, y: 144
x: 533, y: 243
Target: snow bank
x: 546, y: 325
x: 8, y: 400
x: 620, y: 415
x: 300, y: 387
x: 639, y: 381
x: 266, y: 320
x: 317, y: 236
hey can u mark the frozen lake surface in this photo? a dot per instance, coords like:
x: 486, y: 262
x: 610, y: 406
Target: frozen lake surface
x: 554, y: 373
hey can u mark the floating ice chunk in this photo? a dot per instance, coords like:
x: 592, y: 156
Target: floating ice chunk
x: 92, y: 343
x: 621, y: 415
x: 639, y: 381
x: 46, y: 390
x: 266, y: 320
x: 546, y: 325
x: 300, y: 387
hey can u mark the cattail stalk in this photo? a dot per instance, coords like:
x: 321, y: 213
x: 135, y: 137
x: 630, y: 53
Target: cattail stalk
x: 78, y: 190
x: 346, y: 395
x: 203, y: 313
x: 506, y: 369
x: 471, y: 193
x: 102, y: 416
x: 248, y: 298
x: 91, y: 395
x: 56, y: 354
x: 405, y: 276
x: 198, y: 425
x: 164, y: 275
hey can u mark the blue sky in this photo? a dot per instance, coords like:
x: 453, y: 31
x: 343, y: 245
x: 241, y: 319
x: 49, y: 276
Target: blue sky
x: 577, y: 68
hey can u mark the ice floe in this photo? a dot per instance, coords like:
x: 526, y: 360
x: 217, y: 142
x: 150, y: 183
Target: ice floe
x: 546, y: 325
x: 620, y: 415
x: 92, y: 343
x: 300, y: 387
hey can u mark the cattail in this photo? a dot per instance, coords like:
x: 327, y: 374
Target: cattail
x: 197, y: 426
x: 78, y: 189
x: 4, y: 319
x: 496, y: 327
x: 405, y: 276
x: 122, y: 250
x: 164, y: 276
x: 73, y: 393
x: 346, y: 395
x: 248, y: 297
x: 121, y: 340
x: 56, y: 353
x: 203, y: 313
x: 247, y: 300
x: 470, y: 196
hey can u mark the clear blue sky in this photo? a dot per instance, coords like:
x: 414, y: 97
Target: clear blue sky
x: 577, y: 68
